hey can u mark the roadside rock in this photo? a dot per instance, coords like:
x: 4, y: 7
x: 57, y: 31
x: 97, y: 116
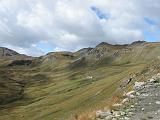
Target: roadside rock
x: 101, y: 114
x: 158, y: 102
x: 117, y: 105
x: 126, y: 100
x: 130, y: 94
x: 138, y: 85
x: 109, y: 117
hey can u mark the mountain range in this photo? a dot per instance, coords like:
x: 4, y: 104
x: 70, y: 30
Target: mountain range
x: 61, y: 85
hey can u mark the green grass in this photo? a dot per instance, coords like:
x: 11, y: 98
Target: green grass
x: 58, y: 94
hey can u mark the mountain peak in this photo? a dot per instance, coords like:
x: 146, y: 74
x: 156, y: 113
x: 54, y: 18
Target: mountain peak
x: 4, y: 52
x: 138, y: 42
x: 103, y: 44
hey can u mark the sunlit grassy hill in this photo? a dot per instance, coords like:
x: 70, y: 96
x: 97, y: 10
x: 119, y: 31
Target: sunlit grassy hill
x: 61, y: 84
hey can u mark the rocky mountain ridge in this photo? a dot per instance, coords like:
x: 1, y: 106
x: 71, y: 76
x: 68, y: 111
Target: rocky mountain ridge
x: 60, y: 85
x: 102, y: 50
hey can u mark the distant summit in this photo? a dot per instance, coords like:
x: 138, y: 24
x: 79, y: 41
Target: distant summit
x: 133, y: 43
x: 138, y: 42
x: 4, y: 52
x: 103, y: 44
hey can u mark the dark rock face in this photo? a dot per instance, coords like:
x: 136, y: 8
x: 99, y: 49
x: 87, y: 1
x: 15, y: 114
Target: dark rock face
x: 20, y: 62
x: 4, y: 52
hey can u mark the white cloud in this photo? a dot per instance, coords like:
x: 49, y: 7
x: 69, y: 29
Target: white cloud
x: 71, y: 24
x: 33, y: 50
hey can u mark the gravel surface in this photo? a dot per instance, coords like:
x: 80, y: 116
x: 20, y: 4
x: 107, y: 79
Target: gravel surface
x: 142, y: 104
x: 147, y: 104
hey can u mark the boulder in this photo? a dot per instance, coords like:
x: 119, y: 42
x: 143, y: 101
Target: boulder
x: 117, y: 105
x: 158, y: 102
x: 130, y: 94
x: 138, y: 85
x: 109, y: 117
x: 158, y: 74
x: 137, y: 93
x: 122, y: 113
x: 126, y: 100
x: 126, y: 118
x: 152, y: 80
x: 89, y: 77
x: 117, y: 113
x: 102, y: 114
x: 155, y: 78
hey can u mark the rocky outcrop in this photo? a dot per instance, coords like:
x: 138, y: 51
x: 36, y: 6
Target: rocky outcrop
x: 144, y: 104
x: 138, y: 85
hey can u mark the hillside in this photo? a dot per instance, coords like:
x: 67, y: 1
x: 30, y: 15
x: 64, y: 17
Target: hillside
x: 61, y: 85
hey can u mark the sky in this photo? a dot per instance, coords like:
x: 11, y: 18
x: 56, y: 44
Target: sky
x: 36, y: 27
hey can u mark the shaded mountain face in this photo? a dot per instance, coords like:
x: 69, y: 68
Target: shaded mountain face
x: 4, y: 52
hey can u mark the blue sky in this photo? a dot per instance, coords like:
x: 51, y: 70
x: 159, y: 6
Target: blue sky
x: 150, y: 21
x: 100, y: 14
x: 45, y: 47
x: 37, y: 27
x: 151, y: 36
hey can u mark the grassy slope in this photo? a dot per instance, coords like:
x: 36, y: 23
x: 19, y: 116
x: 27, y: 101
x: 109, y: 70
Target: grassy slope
x: 68, y: 91
x: 55, y: 91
